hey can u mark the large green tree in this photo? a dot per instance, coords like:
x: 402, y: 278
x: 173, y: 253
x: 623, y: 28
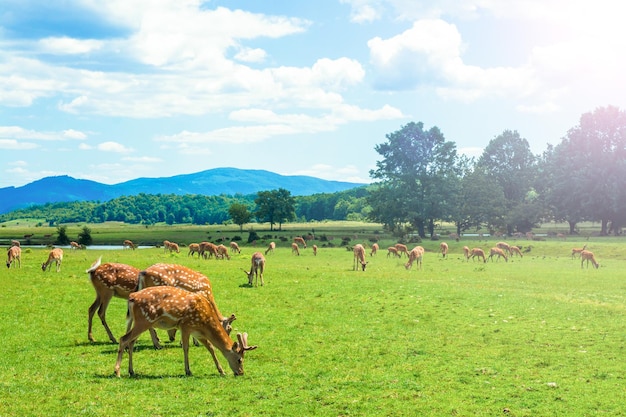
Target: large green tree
x: 240, y: 214
x: 275, y: 206
x: 419, y: 178
x: 587, y: 170
x: 510, y: 165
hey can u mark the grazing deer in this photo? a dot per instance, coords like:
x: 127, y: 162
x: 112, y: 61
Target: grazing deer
x: 180, y: 276
x: 443, y: 246
x: 499, y: 252
x: 416, y: 254
x: 74, y: 245
x: 222, y: 252
x: 295, y: 249
x: 173, y: 247
x: 374, y: 249
x: 513, y: 250
x: 402, y: 249
x: 208, y: 249
x: 194, y: 248
x: 466, y: 252
x: 270, y: 248
x: 234, y: 247
x: 504, y: 246
x: 129, y: 244
x: 14, y: 253
x: 578, y: 251
x: 314, y: 250
x: 55, y: 255
x: 166, y: 245
x: 111, y: 280
x: 480, y: 253
x: 172, y: 308
x: 256, y: 268
x: 392, y: 250
x: 300, y: 240
x: 359, y: 257
x: 588, y: 256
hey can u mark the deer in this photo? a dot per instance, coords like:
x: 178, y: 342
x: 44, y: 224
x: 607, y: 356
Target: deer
x: 129, y: 244
x: 480, y: 253
x: 466, y: 252
x: 392, y: 250
x: 578, y: 251
x: 497, y: 251
x: 256, y: 269
x: 314, y: 250
x: 359, y: 257
x: 14, y: 253
x: 504, y: 246
x: 402, y: 249
x: 15, y: 242
x: 208, y: 249
x: 222, y: 252
x: 295, y: 249
x: 194, y: 248
x: 172, y: 308
x: 375, y: 248
x: 111, y: 280
x: 443, y: 246
x: 173, y: 247
x: 270, y: 248
x: 416, y: 254
x: 515, y: 250
x: 56, y: 256
x: 300, y: 240
x: 166, y: 245
x: 234, y: 247
x: 588, y: 256
x: 180, y: 276
x: 74, y: 245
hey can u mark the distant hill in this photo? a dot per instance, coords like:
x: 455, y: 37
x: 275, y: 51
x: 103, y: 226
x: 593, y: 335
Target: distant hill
x: 229, y: 181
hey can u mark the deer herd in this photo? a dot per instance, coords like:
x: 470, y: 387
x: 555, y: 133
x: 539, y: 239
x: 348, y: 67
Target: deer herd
x: 174, y: 297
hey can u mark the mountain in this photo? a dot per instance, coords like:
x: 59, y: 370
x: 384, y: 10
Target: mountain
x: 229, y: 181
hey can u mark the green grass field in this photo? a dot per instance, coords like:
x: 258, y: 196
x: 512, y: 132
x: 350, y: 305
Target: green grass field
x: 537, y: 336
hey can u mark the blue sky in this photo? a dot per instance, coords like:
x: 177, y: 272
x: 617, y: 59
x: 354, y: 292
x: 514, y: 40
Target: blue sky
x: 111, y: 91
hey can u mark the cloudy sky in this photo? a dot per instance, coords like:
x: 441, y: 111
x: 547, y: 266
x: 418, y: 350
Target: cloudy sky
x: 119, y: 89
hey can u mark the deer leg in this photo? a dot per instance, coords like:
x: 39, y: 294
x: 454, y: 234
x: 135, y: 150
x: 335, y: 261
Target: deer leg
x: 155, y: 339
x: 210, y: 348
x: 92, y: 311
x: 102, y: 311
x: 185, y: 341
x: 127, y: 342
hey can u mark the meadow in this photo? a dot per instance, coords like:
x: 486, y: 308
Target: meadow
x: 535, y: 336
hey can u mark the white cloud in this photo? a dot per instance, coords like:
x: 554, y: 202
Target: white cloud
x: 143, y: 159
x: 251, y: 55
x: 13, y: 144
x: 113, y: 147
x: 69, y: 46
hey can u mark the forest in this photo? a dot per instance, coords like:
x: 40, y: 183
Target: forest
x: 419, y: 183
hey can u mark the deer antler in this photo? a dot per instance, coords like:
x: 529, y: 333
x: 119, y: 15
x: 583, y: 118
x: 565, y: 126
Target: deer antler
x: 243, y: 342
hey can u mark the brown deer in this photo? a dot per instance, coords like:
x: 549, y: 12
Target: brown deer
x: 392, y: 250
x: 111, y: 280
x: 375, y: 248
x: 314, y: 250
x: 129, y: 244
x: 499, y: 252
x: 515, y: 250
x: 180, y: 276
x: 295, y: 249
x: 194, y: 248
x: 208, y: 249
x: 578, y: 251
x: 74, y: 245
x: 466, y: 253
x: 222, y: 252
x: 14, y: 253
x: 256, y: 269
x: 173, y: 308
x: 402, y: 249
x: 480, y: 253
x: 416, y: 254
x: 588, y: 256
x: 443, y: 247
x: 56, y: 256
x: 234, y: 247
x: 359, y: 257
x: 300, y: 240
x: 270, y: 248
x: 504, y: 246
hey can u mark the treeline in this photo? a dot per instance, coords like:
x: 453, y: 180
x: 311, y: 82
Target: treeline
x: 150, y: 209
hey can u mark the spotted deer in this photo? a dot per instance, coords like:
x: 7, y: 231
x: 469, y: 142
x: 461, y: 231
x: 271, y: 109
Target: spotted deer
x: 168, y: 308
x: 256, y: 268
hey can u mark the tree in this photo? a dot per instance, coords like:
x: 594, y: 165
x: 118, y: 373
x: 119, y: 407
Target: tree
x: 62, y: 238
x: 510, y: 164
x: 84, y: 237
x: 481, y: 202
x: 419, y: 177
x: 240, y: 214
x: 276, y: 206
x: 587, y: 170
